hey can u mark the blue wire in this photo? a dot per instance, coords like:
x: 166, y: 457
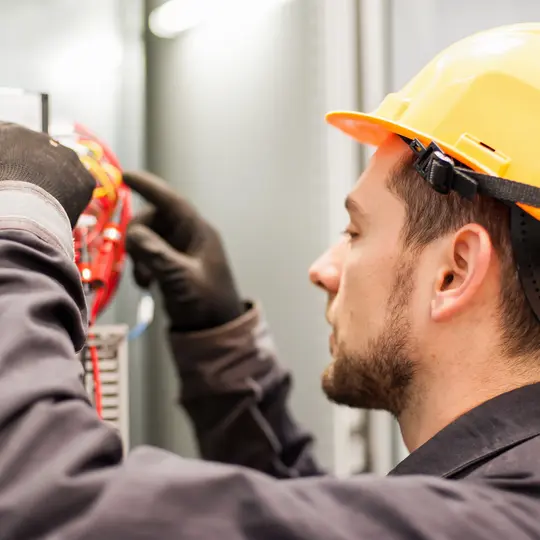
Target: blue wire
x: 140, y: 327
x: 137, y: 331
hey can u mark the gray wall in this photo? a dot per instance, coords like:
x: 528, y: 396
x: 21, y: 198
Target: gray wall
x: 421, y: 28
x: 236, y: 123
x: 89, y: 57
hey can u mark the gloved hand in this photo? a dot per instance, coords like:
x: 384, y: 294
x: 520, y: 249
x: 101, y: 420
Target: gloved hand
x: 33, y: 157
x: 171, y: 243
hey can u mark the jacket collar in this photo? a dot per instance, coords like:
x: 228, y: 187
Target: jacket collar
x: 487, y: 430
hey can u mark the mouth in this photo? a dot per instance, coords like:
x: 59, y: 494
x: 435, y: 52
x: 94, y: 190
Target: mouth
x: 332, y: 343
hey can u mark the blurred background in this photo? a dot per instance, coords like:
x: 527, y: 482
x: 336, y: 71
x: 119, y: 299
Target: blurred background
x: 226, y: 101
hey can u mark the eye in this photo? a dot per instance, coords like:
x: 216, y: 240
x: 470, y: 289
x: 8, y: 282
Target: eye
x: 350, y: 235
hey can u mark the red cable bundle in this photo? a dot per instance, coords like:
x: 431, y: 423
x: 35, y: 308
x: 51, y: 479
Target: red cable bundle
x: 100, y: 232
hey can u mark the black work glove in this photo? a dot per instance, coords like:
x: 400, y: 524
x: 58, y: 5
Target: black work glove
x: 33, y: 157
x: 169, y: 242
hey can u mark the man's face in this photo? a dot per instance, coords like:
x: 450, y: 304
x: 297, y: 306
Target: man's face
x: 370, y: 282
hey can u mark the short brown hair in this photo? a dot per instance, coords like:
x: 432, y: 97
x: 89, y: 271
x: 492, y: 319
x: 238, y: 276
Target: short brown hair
x: 430, y: 215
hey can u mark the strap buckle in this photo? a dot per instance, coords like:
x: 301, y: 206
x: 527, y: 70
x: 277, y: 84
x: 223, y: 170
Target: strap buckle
x: 440, y: 172
x: 434, y: 166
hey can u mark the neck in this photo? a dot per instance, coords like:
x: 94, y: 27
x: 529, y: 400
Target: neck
x: 439, y: 401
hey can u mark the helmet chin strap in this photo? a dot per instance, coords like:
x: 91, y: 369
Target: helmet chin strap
x: 444, y: 175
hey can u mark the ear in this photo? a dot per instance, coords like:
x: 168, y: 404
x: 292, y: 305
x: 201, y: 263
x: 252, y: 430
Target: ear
x: 463, y: 271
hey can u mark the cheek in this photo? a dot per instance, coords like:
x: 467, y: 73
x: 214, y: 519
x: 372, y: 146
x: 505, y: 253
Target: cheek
x: 423, y: 295
x: 366, y: 281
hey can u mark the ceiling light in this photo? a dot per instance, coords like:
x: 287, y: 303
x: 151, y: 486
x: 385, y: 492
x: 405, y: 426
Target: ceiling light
x: 176, y: 16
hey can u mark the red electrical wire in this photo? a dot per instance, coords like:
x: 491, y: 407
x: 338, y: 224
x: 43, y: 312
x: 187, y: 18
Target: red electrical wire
x: 96, y: 376
x: 94, y: 357
x: 99, y: 240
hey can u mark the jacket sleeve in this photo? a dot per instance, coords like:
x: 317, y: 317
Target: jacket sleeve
x: 63, y: 475
x: 236, y: 393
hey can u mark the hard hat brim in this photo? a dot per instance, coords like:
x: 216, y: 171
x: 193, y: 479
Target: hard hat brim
x: 371, y: 129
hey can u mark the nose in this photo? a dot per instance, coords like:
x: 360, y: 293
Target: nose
x: 325, y: 272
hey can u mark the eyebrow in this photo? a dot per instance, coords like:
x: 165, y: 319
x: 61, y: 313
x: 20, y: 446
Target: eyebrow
x: 354, y: 208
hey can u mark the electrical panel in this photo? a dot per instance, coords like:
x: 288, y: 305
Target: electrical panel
x: 111, y: 344
x: 29, y: 109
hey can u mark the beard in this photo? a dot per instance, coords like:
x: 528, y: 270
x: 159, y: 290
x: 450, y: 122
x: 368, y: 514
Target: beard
x: 379, y: 377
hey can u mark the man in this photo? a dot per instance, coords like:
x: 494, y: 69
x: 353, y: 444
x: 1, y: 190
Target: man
x: 429, y: 318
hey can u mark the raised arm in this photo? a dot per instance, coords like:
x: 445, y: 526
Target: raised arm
x: 233, y: 387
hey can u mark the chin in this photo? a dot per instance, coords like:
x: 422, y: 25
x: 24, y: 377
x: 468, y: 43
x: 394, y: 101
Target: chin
x: 377, y: 379
x: 334, y: 384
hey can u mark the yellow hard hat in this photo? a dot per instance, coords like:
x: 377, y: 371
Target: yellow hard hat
x: 478, y: 101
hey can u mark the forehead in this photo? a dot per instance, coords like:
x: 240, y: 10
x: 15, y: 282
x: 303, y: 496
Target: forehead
x: 370, y: 191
